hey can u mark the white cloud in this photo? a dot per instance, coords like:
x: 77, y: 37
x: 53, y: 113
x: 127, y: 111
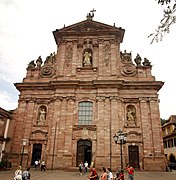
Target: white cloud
x: 6, y: 101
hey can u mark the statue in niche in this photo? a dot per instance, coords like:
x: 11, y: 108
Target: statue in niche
x: 138, y: 60
x: 42, y: 116
x: 131, y: 116
x: 87, y: 58
x: 146, y: 62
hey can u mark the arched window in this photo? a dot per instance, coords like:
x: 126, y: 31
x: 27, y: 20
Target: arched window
x: 85, y: 113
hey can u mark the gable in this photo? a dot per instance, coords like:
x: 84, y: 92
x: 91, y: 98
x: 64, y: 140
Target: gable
x: 88, y: 27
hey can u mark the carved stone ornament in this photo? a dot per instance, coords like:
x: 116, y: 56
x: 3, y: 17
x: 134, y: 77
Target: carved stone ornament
x: 68, y: 55
x: 128, y: 70
x: 47, y: 71
x: 107, y: 54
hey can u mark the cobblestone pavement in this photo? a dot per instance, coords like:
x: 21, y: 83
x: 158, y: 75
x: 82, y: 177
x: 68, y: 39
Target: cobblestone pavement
x: 64, y: 175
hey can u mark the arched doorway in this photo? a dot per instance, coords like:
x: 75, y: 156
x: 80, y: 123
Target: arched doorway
x: 133, y: 152
x: 36, y: 153
x: 84, y: 151
x: 172, y: 158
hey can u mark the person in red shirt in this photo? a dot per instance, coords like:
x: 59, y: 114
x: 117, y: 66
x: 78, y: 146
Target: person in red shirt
x: 120, y: 176
x: 130, y: 171
x: 93, y: 174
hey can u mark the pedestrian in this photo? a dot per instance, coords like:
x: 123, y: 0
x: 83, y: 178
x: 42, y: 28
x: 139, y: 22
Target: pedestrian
x: 26, y: 174
x: 130, y: 171
x: 109, y: 174
x: 86, y: 166
x: 104, y: 174
x: 120, y: 175
x: 36, y: 163
x: 43, y: 166
x: 18, y: 174
x: 81, y: 168
x: 93, y: 174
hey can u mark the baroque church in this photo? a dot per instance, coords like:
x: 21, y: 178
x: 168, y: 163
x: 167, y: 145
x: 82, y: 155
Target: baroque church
x: 72, y: 103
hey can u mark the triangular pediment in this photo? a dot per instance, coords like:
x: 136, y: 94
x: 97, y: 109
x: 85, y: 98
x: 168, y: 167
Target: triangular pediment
x: 89, y: 27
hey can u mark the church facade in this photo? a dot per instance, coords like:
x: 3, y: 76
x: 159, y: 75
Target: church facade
x: 72, y: 104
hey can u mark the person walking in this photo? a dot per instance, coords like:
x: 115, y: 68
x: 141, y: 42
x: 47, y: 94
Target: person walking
x: 93, y: 173
x: 130, y: 171
x: 43, y: 166
x: 104, y: 174
x: 120, y: 176
x: 26, y: 174
x: 36, y: 163
x: 18, y: 174
x: 109, y: 174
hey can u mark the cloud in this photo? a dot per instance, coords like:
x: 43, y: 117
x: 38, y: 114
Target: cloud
x: 6, y: 101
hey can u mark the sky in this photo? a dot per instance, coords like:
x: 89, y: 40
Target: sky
x: 26, y: 28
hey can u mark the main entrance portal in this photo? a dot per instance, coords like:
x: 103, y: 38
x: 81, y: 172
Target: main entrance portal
x: 134, y: 156
x: 36, y: 153
x: 84, y: 151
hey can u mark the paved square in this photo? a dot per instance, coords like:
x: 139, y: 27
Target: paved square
x: 65, y: 175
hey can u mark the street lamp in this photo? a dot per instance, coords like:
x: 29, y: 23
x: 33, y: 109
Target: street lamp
x: 24, y: 142
x: 120, y: 138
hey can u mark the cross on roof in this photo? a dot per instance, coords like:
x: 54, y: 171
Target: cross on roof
x: 91, y: 14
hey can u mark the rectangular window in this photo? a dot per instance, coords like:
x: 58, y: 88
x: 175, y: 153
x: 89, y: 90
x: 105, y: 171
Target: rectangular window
x: 85, y: 112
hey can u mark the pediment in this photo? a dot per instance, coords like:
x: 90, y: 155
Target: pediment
x: 89, y: 27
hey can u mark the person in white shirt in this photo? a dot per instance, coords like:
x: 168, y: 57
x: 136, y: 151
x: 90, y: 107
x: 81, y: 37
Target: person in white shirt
x: 86, y: 166
x: 109, y: 174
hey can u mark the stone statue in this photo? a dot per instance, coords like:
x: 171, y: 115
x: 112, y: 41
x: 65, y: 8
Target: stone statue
x: 125, y: 56
x: 146, y: 62
x: 39, y: 62
x: 131, y: 116
x: 87, y: 59
x: 42, y: 116
x: 138, y: 60
x: 31, y: 65
x: 50, y: 59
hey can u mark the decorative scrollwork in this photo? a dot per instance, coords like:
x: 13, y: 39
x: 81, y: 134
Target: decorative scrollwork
x: 128, y: 70
x: 47, y: 71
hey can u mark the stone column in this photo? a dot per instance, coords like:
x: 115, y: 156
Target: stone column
x: 100, y: 58
x: 62, y: 59
x: 158, y: 150
x: 101, y: 131
x: 113, y: 61
x: 54, y: 143
x: 74, y: 65
x: 68, y: 147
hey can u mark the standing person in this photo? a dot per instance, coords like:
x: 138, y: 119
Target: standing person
x: 109, y: 174
x: 121, y: 175
x: 86, y: 166
x: 81, y: 168
x: 18, y: 174
x: 36, y: 163
x: 130, y: 171
x: 103, y: 174
x: 43, y: 166
x: 93, y: 173
x: 26, y: 174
